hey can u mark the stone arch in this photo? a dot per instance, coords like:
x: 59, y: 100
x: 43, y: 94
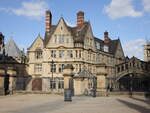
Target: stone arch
x: 133, y: 82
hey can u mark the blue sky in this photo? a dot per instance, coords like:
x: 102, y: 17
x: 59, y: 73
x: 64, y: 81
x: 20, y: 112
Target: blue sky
x: 127, y: 19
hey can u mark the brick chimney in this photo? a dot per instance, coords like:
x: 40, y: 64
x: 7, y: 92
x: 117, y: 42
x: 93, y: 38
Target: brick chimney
x: 48, y: 20
x: 80, y: 19
x: 106, y: 38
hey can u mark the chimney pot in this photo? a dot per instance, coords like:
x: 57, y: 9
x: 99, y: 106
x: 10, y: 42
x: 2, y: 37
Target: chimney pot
x: 80, y: 19
x: 106, y: 37
x: 105, y: 33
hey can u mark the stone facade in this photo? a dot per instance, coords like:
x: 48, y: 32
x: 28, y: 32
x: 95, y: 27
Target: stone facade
x: 133, y: 74
x: 147, y: 52
x: 76, y: 45
x: 12, y: 68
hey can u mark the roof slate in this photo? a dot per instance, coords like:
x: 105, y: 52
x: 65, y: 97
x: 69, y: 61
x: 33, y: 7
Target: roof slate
x: 113, y: 46
x: 12, y: 49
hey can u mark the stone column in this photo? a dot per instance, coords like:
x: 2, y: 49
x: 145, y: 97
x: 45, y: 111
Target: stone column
x: 68, y: 82
x: 101, y: 78
x: 12, y: 79
x: 29, y: 83
x: 101, y: 83
x: 68, y: 75
x: 46, y: 84
x: 2, y: 74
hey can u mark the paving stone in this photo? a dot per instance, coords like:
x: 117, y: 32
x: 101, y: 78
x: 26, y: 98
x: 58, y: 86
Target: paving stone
x: 48, y: 103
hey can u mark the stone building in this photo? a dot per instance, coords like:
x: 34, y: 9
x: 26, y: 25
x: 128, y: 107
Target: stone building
x: 12, y: 67
x: 76, y: 45
x: 147, y: 52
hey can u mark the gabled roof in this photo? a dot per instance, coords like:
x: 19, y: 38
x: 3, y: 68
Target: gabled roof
x: 38, y: 37
x: 8, y: 60
x: 52, y: 30
x: 12, y: 49
x: 48, y: 35
x: 78, y: 35
x: 112, y: 45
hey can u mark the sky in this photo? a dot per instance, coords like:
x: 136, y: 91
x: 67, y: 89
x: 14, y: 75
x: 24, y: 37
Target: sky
x: 129, y: 20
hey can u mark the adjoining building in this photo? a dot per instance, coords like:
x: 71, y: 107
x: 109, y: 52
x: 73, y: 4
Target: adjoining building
x: 147, y: 52
x: 12, y: 67
x: 133, y: 75
x: 76, y: 45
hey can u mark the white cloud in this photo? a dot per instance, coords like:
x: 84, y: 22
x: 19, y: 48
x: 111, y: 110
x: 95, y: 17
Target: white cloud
x: 134, y: 48
x: 33, y: 10
x: 70, y: 24
x: 121, y: 8
x: 146, y: 4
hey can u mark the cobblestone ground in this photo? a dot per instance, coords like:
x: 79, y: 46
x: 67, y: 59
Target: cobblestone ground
x: 38, y: 103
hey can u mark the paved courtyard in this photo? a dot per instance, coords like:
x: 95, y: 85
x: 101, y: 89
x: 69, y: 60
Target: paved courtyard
x: 44, y: 103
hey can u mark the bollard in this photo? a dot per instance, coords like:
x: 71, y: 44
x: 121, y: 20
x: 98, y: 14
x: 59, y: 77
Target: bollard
x: 67, y: 95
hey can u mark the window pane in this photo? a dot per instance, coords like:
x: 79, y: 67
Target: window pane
x: 38, y: 54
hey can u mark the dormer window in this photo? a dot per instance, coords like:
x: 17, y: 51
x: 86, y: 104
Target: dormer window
x: 106, y: 48
x: 98, y: 45
x: 55, y: 38
x: 53, y: 53
x: 69, y: 52
x: 61, y: 53
x: 61, y: 39
x: 38, y: 68
x: 38, y: 54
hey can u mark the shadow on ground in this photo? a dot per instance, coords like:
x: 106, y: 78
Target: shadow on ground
x: 140, y: 109
x: 147, y: 101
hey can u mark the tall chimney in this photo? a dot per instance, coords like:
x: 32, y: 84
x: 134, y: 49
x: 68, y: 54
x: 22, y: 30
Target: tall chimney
x: 48, y: 20
x: 106, y: 37
x: 80, y: 19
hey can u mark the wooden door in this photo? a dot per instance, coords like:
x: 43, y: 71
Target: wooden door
x: 37, y: 84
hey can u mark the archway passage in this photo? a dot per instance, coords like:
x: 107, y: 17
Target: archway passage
x: 37, y: 84
x: 134, y: 83
x: 6, y: 84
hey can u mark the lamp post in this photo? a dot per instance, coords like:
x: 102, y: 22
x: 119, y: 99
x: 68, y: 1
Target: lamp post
x: 131, y: 83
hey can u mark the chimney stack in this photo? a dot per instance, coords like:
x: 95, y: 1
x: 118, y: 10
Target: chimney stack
x: 106, y: 37
x: 48, y: 20
x: 80, y: 19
